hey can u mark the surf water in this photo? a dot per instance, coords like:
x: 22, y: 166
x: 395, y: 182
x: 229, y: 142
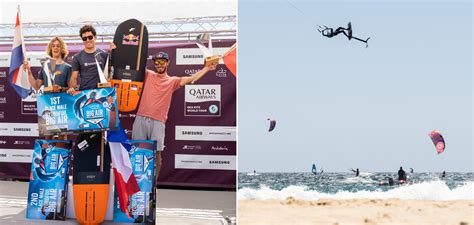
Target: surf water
x: 306, y: 186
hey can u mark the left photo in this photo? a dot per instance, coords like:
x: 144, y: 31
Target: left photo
x: 118, y: 112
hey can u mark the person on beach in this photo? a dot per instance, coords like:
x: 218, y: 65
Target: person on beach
x: 402, y: 175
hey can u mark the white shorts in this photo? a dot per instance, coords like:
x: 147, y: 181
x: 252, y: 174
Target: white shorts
x: 145, y: 128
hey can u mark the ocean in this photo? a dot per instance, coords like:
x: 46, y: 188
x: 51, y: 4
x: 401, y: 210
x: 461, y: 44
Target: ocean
x: 306, y: 186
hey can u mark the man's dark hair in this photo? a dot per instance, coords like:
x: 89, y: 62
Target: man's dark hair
x: 87, y: 28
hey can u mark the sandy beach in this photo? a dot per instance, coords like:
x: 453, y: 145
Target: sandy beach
x: 357, y: 211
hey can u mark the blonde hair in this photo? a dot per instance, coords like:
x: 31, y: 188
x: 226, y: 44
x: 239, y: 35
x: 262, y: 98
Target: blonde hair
x: 62, y: 44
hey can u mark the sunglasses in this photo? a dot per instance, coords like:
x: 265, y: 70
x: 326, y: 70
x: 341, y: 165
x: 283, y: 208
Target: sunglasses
x: 90, y: 37
x: 160, y: 62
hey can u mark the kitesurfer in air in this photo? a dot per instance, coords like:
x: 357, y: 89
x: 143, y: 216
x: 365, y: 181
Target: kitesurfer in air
x: 330, y: 32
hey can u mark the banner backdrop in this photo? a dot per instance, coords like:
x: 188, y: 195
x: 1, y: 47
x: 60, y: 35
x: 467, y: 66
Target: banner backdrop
x: 200, y: 138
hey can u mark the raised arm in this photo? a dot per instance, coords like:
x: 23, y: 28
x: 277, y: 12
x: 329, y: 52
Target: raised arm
x: 35, y: 83
x: 193, y: 78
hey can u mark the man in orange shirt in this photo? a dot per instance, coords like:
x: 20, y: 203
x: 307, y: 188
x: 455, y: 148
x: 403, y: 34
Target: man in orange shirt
x: 156, y: 100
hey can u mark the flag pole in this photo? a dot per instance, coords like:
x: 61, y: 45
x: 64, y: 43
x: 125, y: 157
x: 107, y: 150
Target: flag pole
x: 23, y: 48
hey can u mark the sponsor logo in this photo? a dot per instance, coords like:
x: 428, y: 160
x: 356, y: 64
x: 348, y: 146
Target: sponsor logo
x: 92, y: 63
x: 198, y: 56
x: 191, y: 147
x: 19, y: 129
x: 2, y: 88
x: 194, y: 56
x: 207, y: 162
x: 219, y: 162
x: 3, y: 100
x: 213, y: 109
x: 202, y: 100
x: 205, y: 133
x: 2, y: 142
x: 190, y: 71
x: 3, y: 74
x: 16, y: 155
x: 94, y: 112
x: 24, y: 129
x: 203, y: 93
x: 21, y: 142
x: 184, y: 132
x: 2, y: 115
x: 219, y: 148
x: 130, y: 39
x: 221, y: 73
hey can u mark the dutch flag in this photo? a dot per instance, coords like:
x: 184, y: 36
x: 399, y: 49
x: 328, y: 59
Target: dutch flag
x: 17, y: 77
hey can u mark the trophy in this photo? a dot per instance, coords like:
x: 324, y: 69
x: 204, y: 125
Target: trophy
x: 211, y: 58
x: 103, y: 75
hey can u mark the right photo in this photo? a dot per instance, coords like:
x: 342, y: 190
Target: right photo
x: 355, y: 112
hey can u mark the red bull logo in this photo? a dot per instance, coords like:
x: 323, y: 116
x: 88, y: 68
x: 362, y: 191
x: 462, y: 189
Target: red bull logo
x: 130, y: 39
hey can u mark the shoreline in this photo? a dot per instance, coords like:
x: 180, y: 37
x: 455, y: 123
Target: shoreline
x: 356, y: 211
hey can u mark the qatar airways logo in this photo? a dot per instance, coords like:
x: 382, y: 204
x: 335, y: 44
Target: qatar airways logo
x: 202, y: 93
x: 190, y: 71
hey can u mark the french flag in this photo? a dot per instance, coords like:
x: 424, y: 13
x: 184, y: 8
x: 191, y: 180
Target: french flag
x: 125, y: 182
x: 17, y: 77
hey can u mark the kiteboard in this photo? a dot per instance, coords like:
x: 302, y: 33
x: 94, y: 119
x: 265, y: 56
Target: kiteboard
x: 91, y: 175
x: 129, y: 63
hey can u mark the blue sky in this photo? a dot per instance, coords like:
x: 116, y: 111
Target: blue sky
x: 341, y: 105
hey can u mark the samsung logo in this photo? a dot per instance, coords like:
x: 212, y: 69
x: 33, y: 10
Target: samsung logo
x: 193, y: 56
x: 21, y: 129
x: 192, y: 132
x: 219, y: 162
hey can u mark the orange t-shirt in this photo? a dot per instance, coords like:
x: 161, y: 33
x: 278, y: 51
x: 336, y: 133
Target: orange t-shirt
x: 156, y: 97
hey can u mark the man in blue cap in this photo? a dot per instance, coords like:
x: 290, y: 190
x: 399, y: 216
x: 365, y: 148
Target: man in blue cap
x: 156, y: 100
